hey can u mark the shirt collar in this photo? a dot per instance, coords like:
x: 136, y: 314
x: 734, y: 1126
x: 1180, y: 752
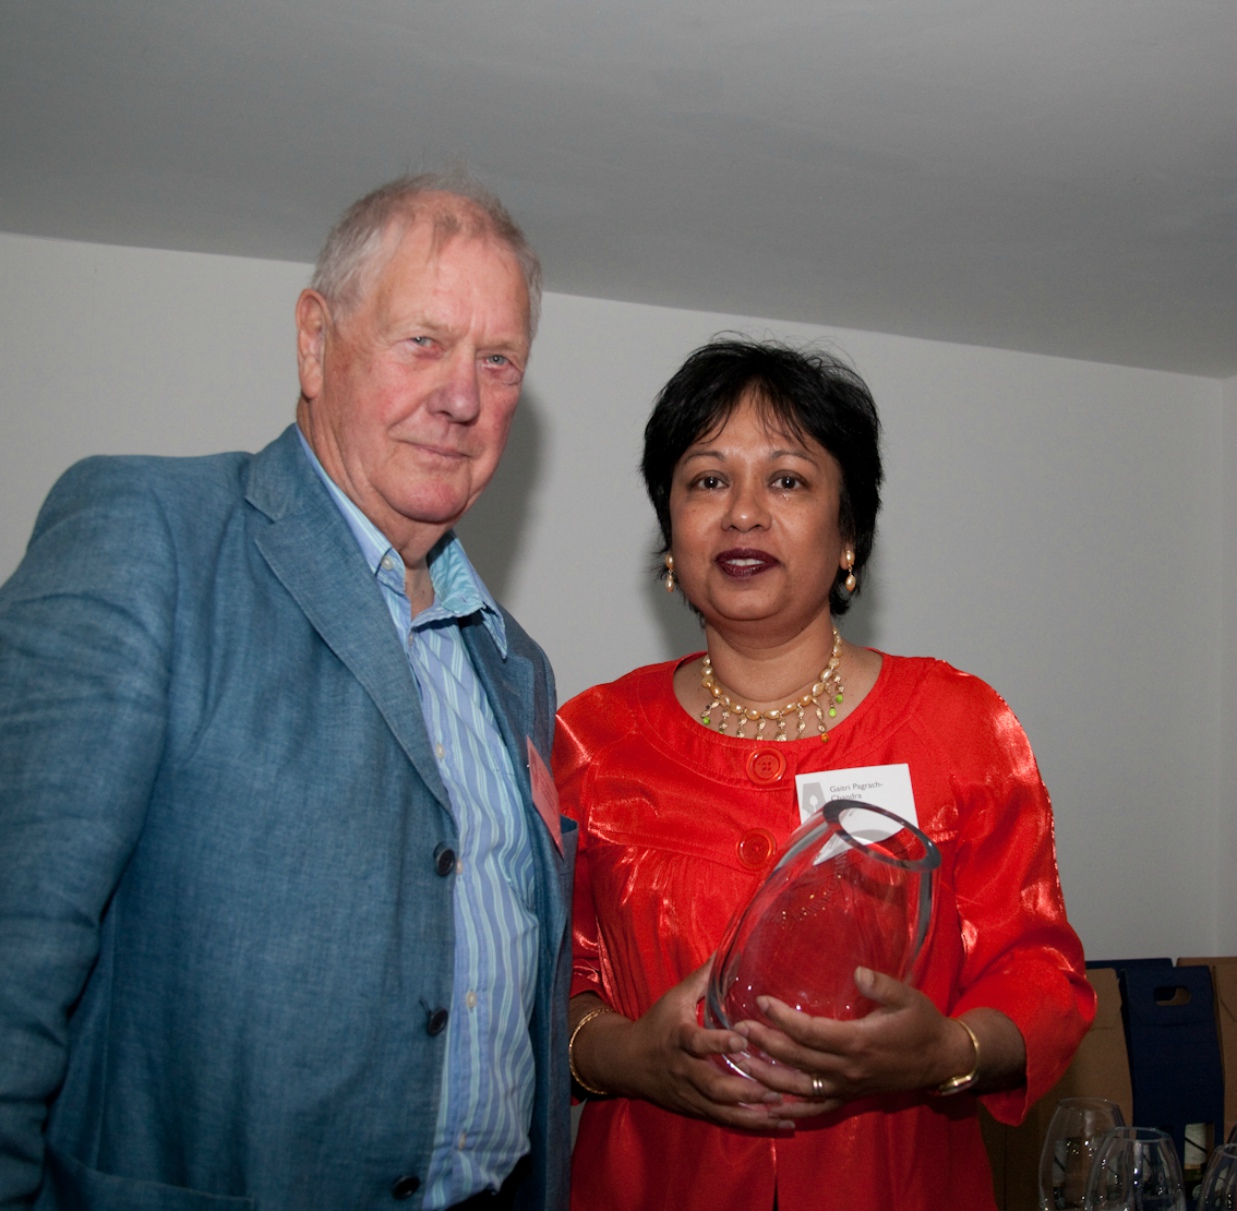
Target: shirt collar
x: 458, y: 591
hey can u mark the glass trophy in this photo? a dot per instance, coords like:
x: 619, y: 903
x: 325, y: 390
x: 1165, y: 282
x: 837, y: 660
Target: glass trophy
x: 853, y: 888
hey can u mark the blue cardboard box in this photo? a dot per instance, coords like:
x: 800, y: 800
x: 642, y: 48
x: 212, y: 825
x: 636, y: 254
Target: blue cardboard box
x: 1174, y: 1048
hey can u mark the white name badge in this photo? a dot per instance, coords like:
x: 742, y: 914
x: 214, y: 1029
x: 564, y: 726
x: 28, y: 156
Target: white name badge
x: 887, y: 786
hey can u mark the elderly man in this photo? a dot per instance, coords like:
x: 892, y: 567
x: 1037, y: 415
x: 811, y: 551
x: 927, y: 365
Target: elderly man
x: 283, y: 884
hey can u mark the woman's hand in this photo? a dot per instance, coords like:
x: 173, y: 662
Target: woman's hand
x: 666, y: 1057
x: 905, y: 1043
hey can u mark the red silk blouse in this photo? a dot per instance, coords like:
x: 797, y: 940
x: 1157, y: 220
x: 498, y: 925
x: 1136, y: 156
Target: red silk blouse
x: 679, y: 825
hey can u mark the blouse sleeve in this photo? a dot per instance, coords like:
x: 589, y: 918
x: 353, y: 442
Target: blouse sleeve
x: 1022, y: 957
x: 574, y: 750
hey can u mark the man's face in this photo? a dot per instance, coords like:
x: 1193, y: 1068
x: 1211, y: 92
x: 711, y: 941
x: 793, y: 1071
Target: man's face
x: 408, y: 397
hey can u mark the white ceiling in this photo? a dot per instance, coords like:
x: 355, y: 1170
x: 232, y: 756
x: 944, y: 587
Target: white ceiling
x: 1058, y: 176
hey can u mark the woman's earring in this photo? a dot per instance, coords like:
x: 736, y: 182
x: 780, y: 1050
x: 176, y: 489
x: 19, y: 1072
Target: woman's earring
x: 850, y: 581
x: 669, y: 573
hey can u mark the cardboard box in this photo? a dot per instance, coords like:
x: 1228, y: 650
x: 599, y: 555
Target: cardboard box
x: 1100, y: 1068
x: 1224, y: 986
x: 1120, y: 965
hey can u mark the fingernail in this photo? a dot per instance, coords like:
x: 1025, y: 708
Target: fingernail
x: 762, y: 1003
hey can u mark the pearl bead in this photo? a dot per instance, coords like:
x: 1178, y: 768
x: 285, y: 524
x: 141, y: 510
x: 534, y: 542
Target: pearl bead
x: 829, y: 680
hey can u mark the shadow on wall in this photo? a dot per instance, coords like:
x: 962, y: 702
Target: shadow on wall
x: 493, y: 528
x: 861, y: 624
x: 681, y: 630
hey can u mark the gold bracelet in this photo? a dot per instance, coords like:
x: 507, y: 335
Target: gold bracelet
x: 571, y: 1050
x: 957, y: 1084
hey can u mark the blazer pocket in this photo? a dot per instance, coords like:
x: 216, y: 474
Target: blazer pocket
x: 69, y: 1184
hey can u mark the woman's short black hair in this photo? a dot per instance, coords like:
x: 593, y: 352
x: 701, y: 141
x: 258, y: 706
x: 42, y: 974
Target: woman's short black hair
x: 807, y: 392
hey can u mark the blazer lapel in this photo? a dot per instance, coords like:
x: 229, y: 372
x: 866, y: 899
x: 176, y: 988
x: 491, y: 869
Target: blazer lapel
x: 510, y: 686
x: 309, y: 547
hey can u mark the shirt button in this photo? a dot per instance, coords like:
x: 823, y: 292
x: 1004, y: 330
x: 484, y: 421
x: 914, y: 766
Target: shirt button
x: 756, y: 847
x: 470, y: 999
x: 388, y: 563
x: 444, y: 860
x: 766, y: 765
x: 439, y: 751
x: 462, y: 1142
x: 436, y: 1022
x: 405, y: 1187
x: 459, y: 866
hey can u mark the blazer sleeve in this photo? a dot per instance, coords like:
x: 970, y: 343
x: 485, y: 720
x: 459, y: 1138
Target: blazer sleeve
x: 85, y: 634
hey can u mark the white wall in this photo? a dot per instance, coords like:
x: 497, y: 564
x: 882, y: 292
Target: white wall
x: 1226, y: 840
x: 1063, y: 529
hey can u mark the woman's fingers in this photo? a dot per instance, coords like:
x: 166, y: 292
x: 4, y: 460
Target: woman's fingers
x: 804, y: 1095
x: 894, y: 1047
x: 673, y: 1061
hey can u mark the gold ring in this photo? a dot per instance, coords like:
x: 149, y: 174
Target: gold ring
x: 818, y: 1087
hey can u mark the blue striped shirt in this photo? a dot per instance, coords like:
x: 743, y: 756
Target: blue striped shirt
x: 487, y: 1095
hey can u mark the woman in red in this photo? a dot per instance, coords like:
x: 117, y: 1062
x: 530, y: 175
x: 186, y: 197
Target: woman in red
x: 764, y: 468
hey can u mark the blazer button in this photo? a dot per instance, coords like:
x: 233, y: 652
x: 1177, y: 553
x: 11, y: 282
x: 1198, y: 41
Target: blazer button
x: 444, y: 860
x: 405, y: 1187
x: 436, y: 1023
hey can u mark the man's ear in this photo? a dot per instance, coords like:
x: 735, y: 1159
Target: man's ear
x: 312, y: 318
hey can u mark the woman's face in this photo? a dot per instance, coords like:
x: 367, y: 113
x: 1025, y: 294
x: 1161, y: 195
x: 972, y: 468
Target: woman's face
x: 754, y: 524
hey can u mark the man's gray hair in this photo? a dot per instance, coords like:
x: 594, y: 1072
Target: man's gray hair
x: 350, y: 257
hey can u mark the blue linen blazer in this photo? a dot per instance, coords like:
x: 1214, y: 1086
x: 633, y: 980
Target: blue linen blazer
x: 224, y: 934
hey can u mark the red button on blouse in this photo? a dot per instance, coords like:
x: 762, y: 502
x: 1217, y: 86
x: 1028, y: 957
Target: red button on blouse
x: 765, y: 765
x: 756, y: 847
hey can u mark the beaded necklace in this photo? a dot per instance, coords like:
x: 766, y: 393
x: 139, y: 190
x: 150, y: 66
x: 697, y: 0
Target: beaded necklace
x: 828, y: 684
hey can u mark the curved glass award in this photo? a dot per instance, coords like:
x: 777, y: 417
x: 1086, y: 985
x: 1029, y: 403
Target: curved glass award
x: 853, y: 888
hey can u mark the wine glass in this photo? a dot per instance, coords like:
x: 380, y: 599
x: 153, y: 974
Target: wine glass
x: 1135, y: 1169
x: 1219, y: 1188
x: 1069, y: 1148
